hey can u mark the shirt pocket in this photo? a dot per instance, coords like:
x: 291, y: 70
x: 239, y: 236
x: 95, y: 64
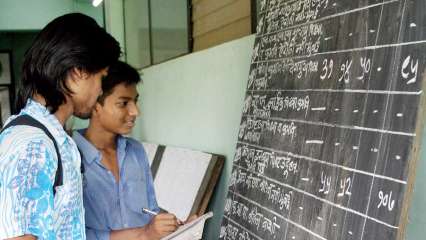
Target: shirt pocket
x: 136, y: 195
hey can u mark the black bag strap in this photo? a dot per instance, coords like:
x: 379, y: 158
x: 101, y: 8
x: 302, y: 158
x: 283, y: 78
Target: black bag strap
x: 30, y: 121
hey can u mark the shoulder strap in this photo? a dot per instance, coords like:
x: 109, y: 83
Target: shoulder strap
x: 30, y: 121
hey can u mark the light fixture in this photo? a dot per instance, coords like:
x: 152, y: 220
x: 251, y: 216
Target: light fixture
x: 96, y: 3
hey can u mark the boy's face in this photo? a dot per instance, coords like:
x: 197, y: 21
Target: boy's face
x: 119, y: 110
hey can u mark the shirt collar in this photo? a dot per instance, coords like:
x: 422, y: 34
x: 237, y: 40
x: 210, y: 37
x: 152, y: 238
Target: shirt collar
x: 43, y: 115
x: 91, y: 153
x: 121, y: 144
x: 86, y: 147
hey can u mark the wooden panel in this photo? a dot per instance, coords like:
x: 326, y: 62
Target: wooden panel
x: 231, y: 13
x: 205, y: 7
x: 232, y: 31
x: 215, y: 174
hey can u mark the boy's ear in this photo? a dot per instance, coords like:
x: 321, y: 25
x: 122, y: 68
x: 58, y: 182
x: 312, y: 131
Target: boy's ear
x: 74, y: 78
x: 78, y: 74
x: 96, y: 109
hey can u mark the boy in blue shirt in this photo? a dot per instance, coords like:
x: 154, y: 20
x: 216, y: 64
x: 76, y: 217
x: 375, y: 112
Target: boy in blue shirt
x: 118, y: 182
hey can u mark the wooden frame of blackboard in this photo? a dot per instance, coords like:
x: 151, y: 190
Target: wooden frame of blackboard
x: 412, y: 167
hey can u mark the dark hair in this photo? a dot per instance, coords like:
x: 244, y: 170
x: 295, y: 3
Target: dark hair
x: 119, y: 72
x: 70, y: 41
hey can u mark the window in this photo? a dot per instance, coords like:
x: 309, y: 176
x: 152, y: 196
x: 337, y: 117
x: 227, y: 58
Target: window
x: 156, y: 30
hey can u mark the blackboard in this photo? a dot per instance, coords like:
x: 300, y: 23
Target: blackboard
x: 332, y: 120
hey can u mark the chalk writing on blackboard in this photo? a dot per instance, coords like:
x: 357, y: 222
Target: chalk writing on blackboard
x: 329, y: 121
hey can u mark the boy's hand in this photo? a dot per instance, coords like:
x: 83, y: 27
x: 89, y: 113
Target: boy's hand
x: 191, y: 218
x: 162, y: 225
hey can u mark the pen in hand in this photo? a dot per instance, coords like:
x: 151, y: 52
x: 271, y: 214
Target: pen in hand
x: 145, y: 210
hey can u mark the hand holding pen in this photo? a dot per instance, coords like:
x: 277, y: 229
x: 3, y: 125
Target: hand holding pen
x: 146, y: 210
x: 162, y: 224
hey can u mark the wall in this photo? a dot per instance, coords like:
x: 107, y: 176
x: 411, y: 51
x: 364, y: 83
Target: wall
x: 35, y: 14
x: 195, y: 101
x: 416, y: 219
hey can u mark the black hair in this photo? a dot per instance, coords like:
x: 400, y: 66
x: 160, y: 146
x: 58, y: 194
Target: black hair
x: 70, y: 41
x: 119, y: 72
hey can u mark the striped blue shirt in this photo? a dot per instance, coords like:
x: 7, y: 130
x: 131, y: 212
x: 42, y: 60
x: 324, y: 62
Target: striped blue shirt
x: 112, y: 205
x: 28, y: 164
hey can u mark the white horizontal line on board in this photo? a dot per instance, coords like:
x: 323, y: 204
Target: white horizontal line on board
x: 343, y: 51
x: 341, y: 91
x: 327, y: 17
x: 336, y: 125
x: 280, y: 216
x: 311, y: 195
x: 326, y: 163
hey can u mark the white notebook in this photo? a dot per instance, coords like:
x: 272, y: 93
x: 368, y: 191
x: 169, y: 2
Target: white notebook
x: 179, y: 178
x: 190, y: 231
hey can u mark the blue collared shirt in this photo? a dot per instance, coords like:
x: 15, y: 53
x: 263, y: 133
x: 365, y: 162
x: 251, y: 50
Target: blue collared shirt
x: 28, y: 164
x: 112, y: 205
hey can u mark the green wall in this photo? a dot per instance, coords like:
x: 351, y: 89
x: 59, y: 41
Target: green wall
x: 416, y: 228
x: 23, y: 15
x: 195, y: 101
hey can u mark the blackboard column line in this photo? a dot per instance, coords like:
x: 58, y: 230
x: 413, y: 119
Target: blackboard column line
x: 328, y: 17
x: 279, y: 215
x: 365, y: 107
x: 385, y: 116
x: 310, y: 195
x: 295, y: 155
x: 334, y: 125
x: 350, y: 50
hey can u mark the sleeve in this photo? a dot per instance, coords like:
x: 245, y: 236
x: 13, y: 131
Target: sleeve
x: 92, y: 234
x: 28, y: 204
